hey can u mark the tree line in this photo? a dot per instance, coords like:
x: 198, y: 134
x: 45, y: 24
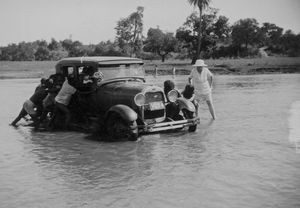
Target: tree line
x: 204, y: 34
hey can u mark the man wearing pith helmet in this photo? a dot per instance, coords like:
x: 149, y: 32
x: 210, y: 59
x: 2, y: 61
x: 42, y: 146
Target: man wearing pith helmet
x: 202, y: 80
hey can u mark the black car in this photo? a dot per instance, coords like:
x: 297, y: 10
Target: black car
x: 121, y: 103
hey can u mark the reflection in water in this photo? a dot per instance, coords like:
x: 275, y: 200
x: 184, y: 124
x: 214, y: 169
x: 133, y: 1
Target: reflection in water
x: 87, y: 162
x: 251, y: 82
x: 243, y: 159
x: 242, y: 85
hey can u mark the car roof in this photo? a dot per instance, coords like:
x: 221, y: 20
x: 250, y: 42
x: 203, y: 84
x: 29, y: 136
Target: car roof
x: 101, y: 60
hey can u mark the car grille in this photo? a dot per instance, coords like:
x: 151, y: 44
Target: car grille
x: 154, y: 114
x: 153, y: 97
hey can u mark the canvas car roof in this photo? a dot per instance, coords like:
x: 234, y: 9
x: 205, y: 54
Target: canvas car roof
x: 101, y: 60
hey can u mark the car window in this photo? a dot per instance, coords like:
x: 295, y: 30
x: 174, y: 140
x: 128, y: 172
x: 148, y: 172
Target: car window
x: 89, y: 70
x: 130, y: 70
x: 80, y: 70
x: 86, y: 78
x: 68, y: 71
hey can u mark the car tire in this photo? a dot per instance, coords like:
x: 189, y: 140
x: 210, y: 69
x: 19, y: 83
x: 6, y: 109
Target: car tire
x: 119, y: 129
x: 193, y: 128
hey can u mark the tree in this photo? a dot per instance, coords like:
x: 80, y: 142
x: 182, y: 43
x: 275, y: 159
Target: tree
x: 42, y: 54
x: 245, y: 32
x: 129, y: 33
x: 9, y: 53
x: 54, y: 45
x: 74, y: 48
x: 123, y: 35
x: 107, y: 48
x: 222, y: 28
x: 270, y: 34
x: 160, y: 43
x: 187, y: 35
x: 202, y: 5
x: 136, y: 20
x: 67, y: 44
x: 290, y: 43
x: 57, y: 51
x: 25, y: 52
x: 58, y: 54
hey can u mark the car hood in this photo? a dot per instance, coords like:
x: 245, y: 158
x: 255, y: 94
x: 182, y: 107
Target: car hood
x: 115, y: 93
x: 131, y: 88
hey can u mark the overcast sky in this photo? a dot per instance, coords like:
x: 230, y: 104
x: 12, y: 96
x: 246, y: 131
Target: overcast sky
x: 92, y: 21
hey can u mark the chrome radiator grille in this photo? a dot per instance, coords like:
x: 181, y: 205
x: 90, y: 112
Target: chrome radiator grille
x: 154, y: 97
x: 150, y: 98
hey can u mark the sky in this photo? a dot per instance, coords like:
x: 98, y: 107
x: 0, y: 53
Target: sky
x: 93, y: 21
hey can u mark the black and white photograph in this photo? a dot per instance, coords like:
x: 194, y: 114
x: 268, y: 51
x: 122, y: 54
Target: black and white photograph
x: 150, y: 104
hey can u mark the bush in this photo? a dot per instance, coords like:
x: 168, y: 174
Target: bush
x: 293, y: 53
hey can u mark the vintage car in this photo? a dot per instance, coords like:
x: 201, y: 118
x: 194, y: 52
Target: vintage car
x: 120, y: 102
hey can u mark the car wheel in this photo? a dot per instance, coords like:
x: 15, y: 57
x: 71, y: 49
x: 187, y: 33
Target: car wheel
x: 193, y: 128
x: 189, y: 115
x: 118, y: 129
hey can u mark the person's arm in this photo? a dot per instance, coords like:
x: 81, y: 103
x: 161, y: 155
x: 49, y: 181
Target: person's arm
x: 190, y: 78
x: 210, y: 81
x: 192, y: 98
x: 210, y: 78
x: 54, y: 89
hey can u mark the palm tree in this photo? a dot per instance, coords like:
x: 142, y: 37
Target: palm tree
x: 202, y: 4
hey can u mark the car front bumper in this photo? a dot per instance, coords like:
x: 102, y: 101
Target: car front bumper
x: 168, y: 125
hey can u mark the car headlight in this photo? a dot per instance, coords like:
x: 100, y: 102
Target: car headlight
x: 140, y: 99
x: 172, y: 96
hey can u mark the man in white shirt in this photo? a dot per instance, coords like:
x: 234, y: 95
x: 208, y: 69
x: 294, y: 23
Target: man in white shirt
x: 63, y: 98
x: 202, y: 80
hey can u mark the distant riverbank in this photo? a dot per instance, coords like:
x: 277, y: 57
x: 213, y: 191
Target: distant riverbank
x: 37, y: 69
x: 231, y: 66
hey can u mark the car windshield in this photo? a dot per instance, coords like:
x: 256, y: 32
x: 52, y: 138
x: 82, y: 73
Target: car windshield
x: 128, y: 70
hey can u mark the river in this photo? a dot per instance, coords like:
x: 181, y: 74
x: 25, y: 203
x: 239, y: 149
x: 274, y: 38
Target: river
x: 246, y: 158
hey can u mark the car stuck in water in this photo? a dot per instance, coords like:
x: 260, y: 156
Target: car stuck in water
x: 117, y: 99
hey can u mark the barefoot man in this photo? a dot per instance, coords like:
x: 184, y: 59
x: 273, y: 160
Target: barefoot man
x: 202, y: 80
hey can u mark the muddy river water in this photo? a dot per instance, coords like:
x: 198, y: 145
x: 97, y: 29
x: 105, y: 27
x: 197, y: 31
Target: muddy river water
x: 246, y: 158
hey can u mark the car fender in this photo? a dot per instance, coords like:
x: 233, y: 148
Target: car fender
x: 124, y: 112
x: 185, y: 104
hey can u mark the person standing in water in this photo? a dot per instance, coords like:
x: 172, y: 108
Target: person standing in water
x: 202, y: 79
